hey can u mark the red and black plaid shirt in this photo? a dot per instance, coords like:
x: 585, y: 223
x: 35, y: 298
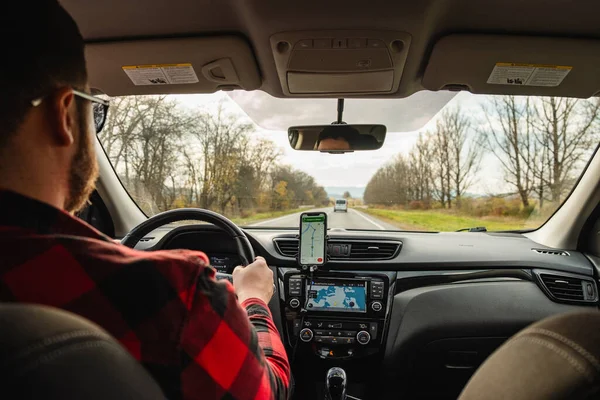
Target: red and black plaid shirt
x: 165, y: 307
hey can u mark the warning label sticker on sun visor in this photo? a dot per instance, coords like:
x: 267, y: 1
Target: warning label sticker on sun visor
x: 161, y: 74
x: 528, y: 74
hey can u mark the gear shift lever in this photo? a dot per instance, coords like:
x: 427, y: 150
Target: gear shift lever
x: 335, y: 384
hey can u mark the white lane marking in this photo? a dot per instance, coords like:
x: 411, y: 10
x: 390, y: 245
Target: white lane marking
x: 272, y: 220
x: 367, y: 219
x: 297, y: 215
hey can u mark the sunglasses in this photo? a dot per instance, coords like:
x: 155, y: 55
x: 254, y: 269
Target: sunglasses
x: 99, y: 107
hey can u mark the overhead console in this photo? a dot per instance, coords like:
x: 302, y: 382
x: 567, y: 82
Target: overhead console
x: 340, y: 63
x: 517, y: 65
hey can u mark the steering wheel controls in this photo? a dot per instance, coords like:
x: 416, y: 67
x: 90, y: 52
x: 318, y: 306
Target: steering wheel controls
x: 221, y: 275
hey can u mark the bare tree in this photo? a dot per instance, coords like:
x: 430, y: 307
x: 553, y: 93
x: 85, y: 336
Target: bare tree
x: 260, y: 157
x: 442, y: 164
x: 221, y: 138
x: 565, y: 135
x: 389, y: 185
x: 421, y: 173
x: 154, y: 152
x: 509, y: 137
x: 142, y: 139
x: 169, y: 156
x: 193, y: 178
x: 300, y: 188
x: 465, y: 153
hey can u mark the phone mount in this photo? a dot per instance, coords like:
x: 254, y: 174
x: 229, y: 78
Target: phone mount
x: 313, y: 268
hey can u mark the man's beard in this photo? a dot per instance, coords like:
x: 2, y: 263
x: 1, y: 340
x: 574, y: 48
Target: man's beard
x: 84, y: 168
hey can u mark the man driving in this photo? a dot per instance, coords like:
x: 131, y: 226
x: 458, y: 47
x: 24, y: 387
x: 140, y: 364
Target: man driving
x: 198, y: 337
x: 337, y: 138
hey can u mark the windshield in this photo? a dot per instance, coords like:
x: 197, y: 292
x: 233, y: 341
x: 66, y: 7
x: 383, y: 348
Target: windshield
x: 499, y: 162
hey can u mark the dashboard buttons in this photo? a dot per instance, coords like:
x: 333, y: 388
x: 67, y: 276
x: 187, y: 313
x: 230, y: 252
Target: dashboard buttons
x: 305, y: 44
x: 322, y: 43
x: 296, y: 326
x: 325, y: 352
x: 357, y: 43
x: 340, y: 43
x: 294, y: 303
x: 377, y: 289
x: 362, y: 337
x: 334, y: 340
x: 375, y: 44
x: 373, y: 330
x: 306, y: 335
x: 295, y: 287
x: 376, y: 306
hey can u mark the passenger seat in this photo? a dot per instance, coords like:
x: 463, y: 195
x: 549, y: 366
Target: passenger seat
x: 556, y: 358
x: 47, y: 353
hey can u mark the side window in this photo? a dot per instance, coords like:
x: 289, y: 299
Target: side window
x: 96, y: 214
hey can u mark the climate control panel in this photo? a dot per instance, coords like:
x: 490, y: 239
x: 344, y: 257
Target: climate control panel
x: 340, y: 337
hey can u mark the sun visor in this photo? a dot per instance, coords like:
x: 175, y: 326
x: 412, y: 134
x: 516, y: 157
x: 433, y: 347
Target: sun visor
x: 518, y: 65
x: 162, y: 66
x: 340, y: 63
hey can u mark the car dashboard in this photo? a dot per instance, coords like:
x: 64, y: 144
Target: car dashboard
x: 430, y: 307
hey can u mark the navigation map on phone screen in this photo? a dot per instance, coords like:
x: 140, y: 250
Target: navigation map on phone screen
x: 312, y: 239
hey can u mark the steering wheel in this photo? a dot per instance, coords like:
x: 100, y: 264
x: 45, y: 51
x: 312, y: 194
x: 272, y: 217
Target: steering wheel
x: 244, y: 249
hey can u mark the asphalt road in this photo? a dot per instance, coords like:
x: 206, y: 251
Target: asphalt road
x: 353, y: 219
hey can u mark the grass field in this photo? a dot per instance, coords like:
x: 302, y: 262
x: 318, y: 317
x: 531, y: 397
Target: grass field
x: 436, y: 220
x: 263, y: 216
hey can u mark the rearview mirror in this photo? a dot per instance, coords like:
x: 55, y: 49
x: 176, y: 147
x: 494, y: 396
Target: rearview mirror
x: 337, y: 138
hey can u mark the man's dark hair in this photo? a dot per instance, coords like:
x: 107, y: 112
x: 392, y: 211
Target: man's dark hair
x: 346, y: 132
x: 42, y: 50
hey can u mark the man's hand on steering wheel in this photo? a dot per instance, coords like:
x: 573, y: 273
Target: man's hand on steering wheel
x: 253, y: 281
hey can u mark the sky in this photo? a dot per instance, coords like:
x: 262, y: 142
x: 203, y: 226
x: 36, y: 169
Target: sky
x: 404, y: 118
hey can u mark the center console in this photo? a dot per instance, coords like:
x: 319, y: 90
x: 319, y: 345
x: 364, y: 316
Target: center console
x: 337, y: 316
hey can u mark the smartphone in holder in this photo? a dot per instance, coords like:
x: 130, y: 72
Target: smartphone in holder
x: 312, y: 249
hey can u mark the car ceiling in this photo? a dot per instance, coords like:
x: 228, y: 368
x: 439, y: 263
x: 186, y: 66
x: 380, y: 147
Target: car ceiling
x: 426, y: 22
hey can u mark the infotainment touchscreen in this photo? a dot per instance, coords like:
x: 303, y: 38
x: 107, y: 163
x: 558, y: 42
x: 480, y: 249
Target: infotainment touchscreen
x: 337, y: 295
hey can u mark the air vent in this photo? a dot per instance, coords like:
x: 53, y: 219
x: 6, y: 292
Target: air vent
x: 345, y: 249
x: 287, y: 247
x: 551, y: 252
x: 373, y: 250
x: 569, y: 288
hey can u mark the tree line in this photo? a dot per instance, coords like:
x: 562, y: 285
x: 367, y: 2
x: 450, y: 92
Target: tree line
x: 540, y: 143
x: 169, y: 156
